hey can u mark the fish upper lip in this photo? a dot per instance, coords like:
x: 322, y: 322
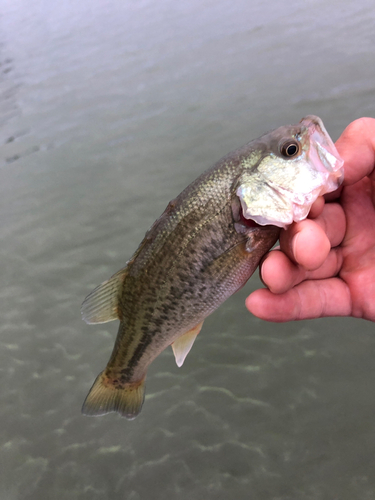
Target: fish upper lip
x: 316, y: 127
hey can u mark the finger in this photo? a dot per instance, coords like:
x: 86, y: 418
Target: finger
x: 309, y: 242
x: 306, y: 251
x: 306, y: 244
x: 279, y: 274
x: 356, y: 146
x: 317, y: 207
x: 310, y: 299
x: 280, y: 270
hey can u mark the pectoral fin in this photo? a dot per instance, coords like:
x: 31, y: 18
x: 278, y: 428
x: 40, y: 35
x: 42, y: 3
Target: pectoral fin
x: 101, y: 305
x: 181, y: 347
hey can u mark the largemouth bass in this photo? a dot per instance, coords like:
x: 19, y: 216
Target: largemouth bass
x: 203, y: 248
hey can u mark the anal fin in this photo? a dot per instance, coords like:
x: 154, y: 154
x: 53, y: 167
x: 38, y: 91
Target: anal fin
x: 181, y: 347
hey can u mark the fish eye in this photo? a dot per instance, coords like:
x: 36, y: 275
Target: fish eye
x: 290, y: 149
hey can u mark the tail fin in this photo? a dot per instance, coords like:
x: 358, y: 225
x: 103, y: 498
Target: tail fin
x: 105, y: 397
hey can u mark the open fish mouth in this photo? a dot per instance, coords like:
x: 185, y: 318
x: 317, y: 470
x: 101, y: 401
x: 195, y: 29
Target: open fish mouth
x: 282, y: 187
x: 326, y: 150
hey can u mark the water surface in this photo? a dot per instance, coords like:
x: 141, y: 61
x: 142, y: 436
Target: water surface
x: 108, y: 110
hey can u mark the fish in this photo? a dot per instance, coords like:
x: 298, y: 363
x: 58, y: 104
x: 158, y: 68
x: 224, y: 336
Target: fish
x: 201, y: 250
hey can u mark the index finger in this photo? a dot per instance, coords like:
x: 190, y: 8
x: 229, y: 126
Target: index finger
x: 308, y: 300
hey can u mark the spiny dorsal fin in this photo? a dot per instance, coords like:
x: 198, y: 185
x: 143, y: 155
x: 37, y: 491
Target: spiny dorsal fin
x: 101, y: 305
x: 183, y: 344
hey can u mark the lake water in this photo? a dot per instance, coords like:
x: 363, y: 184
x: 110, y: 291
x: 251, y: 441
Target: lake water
x: 108, y: 110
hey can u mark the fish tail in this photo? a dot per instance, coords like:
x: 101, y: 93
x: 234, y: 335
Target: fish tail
x: 106, y: 396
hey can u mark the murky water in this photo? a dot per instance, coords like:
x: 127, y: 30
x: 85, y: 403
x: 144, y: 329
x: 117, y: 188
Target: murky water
x: 108, y: 110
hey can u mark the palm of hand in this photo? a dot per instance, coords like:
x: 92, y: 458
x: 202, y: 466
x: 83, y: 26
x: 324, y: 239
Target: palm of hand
x: 358, y: 247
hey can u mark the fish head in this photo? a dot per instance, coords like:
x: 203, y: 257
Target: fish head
x: 285, y: 172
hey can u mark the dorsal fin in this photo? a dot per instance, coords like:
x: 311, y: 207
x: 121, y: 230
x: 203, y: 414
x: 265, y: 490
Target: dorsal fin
x: 183, y: 344
x: 101, y: 305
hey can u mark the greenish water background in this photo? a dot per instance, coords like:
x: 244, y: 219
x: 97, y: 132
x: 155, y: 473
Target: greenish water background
x: 108, y: 110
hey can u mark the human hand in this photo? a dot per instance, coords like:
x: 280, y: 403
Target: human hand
x: 326, y: 264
